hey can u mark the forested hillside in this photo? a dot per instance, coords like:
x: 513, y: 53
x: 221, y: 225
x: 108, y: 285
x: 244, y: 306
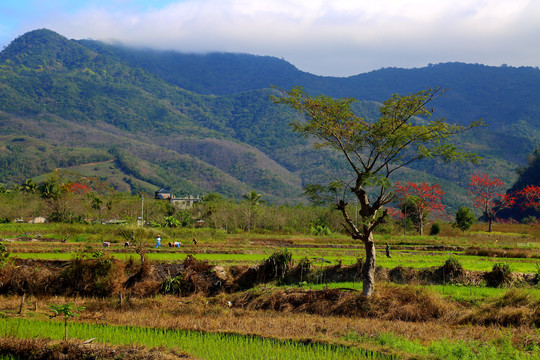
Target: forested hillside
x: 201, y: 123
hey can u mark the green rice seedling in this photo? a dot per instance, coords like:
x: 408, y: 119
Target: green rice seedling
x: 399, y: 258
x: 8, y: 357
x: 216, y: 346
x: 500, y: 349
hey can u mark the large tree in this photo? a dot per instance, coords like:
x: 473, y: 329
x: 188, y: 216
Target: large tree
x: 425, y: 198
x: 404, y: 133
x: 488, y: 195
x: 530, y: 197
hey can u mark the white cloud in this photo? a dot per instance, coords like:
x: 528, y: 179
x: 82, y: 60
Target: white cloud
x: 330, y: 37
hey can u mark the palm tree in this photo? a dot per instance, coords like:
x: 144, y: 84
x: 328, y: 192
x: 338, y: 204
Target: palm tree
x: 253, y: 198
x: 29, y: 186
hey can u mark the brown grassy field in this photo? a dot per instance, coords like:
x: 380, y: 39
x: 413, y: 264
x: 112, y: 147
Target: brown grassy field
x: 442, y: 319
x: 412, y: 314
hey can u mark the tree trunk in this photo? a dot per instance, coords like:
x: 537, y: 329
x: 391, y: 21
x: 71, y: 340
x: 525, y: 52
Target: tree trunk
x: 21, y: 307
x: 368, y: 269
x: 489, y: 225
x: 421, y: 225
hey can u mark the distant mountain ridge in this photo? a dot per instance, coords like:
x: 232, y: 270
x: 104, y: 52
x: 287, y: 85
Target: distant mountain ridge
x: 200, y: 123
x: 492, y: 91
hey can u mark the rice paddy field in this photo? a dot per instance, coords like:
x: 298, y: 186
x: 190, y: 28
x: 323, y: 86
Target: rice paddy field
x: 413, y: 259
x: 476, y: 321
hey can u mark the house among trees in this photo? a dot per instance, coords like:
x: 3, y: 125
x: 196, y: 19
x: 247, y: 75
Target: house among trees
x: 179, y: 203
x: 162, y: 194
x: 184, y: 203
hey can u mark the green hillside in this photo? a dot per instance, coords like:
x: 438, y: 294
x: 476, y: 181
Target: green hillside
x: 201, y: 123
x: 506, y: 97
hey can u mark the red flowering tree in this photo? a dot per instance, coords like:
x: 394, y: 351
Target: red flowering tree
x: 78, y: 188
x: 425, y: 198
x: 489, y: 196
x: 530, y: 196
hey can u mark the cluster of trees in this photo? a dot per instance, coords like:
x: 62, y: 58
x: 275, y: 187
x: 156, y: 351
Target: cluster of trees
x: 416, y: 201
x: 66, y: 196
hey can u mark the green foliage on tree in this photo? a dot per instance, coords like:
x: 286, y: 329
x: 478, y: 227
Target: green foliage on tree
x: 66, y: 311
x: 171, y: 221
x: 253, y: 198
x: 212, y: 197
x: 324, y: 195
x: 411, y: 217
x: 465, y: 218
x: 29, y: 186
x: 403, y: 134
x: 435, y: 229
x: 320, y: 228
x: 529, y: 174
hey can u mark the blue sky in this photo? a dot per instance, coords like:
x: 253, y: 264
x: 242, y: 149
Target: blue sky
x: 324, y: 37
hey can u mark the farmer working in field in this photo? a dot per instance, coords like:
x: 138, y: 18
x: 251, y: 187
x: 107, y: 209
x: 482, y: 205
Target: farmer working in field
x: 158, y: 241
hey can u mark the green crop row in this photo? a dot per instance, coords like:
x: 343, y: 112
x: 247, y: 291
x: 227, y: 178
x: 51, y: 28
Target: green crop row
x: 405, y: 259
x: 500, y: 349
x: 216, y: 346
x: 457, y: 292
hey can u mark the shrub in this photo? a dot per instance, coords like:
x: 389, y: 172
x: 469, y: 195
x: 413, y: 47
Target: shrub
x: 435, y: 229
x: 305, y: 264
x: 529, y: 220
x: 499, y: 276
x: 172, y: 285
x: 91, y: 274
x: 277, y: 264
x: 320, y: 227
x: 320, y: 230
x: 465, y: 218
x: 451, y: 270
x: 388, y: 226
x: 171, y: 221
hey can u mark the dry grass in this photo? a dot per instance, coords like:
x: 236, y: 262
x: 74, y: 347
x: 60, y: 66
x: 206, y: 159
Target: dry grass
x: 389, y: 303
x: 515, y: 308
x: 326, y: 316
x: 410, y: 314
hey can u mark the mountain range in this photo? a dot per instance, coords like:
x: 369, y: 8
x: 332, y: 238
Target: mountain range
x: 197, y: 123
